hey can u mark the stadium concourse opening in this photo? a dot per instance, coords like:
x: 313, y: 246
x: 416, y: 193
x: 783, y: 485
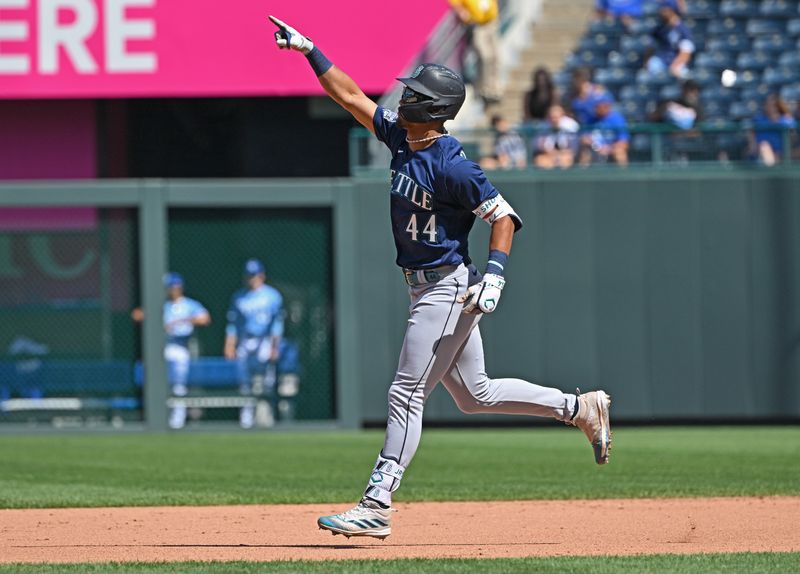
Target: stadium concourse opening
x: 222, y: 137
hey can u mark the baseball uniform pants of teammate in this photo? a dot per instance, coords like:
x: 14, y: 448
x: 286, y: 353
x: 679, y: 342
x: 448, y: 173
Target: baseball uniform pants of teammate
x: 256, y: 377
x: 177, y: 357
x: 444, y: 344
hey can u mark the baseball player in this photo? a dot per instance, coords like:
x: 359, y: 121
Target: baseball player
x: 253, y: 338
x: 181, y: 315
x: 436, y: 194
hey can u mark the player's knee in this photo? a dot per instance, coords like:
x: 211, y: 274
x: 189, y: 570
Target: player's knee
x: 469, y: 407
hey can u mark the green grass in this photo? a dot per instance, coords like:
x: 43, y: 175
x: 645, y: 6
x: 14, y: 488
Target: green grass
x: 699, y: 563
x: 537, y: 463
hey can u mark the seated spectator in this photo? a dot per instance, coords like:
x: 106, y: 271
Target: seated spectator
x: 608, y: 138
x: 583, y: 95
x: 557, y: 145
x: 509, y: 148
x: 541, y: 97
x: 625, y: 10
x: 767, y: 142
x: 682, y: 112
x: 674, y: 43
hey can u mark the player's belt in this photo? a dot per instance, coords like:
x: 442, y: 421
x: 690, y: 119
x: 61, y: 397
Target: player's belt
x: 415, y: 277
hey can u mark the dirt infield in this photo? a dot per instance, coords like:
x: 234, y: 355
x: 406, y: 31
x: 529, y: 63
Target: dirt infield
x: 426, y: 530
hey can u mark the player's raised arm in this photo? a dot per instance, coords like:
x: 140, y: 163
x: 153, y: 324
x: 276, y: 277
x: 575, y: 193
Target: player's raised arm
x: 338, y: 85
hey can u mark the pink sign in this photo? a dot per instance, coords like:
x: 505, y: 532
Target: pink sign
x: 129, y: 48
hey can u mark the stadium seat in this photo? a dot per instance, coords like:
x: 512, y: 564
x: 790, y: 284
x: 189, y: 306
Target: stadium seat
x: 793, y: 27
x: 717, y: 59
x: 773, y: 43
x: 613, y: 77
x: 669, y: 92
x: 650, y: 7
x: 790, y: 59
x: 728, y: 42
x: 636, y: 43
x: 642, y: 26
x: 720, y: 94
x: 631, y: 59
x: 585, y: 58
x: 634, y: 110
x: 747, y: 78
x: 757, y: 92
x: 718, y: 27
x: 706, y: 76
x: 715, y: 109
x: 762, y: 27
x: 702, y: 9
x: 781, y: 75
x: 609, y: 26
x: 644, y: 77
x: 698, y: 28
x: 779, y: 8
x: 791, y: 93
x: 755, y: 60
x: 599, y: 43
x: 744, y: 109
x: 738, y: 8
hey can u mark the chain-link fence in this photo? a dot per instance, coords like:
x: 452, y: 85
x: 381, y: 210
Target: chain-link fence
x: 68, y: 277
x: 266, y: 357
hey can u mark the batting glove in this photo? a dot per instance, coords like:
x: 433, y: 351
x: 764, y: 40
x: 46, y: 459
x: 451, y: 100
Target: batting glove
x: 484, y: 296
x: 287, y: 38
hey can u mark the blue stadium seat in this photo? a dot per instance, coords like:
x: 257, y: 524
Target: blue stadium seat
x: 744, y: 109
x: 642, y: 26
x: 698, y: 28
x: 791, y: 93
x: 793, y: 27
x: 614, y: 77
x: 631, y: 59
x: 636, y: 43
x: 634, y: 110
x: 703, y: 9
x: 706, y: 76
x: 610, y: 26
x: 715, y: 109
x: 747, y: 78
x: 739, y: 8
x: 644, y: 77
x: 781, y: 75
x: 669, y: 92
x: 762, y: 27
x: 588, y: 58
x: 638, y: 91
x: 773, y: 43
x: 779, y: 8
x: 755, y: 60
x: 790, y: 59
x: 650, y: 7
x: 757, y: 92
x: 719, y: 94
x: 718, y: 27
x: 729, y: 43
x: 717, y: 59
x: 599, y: 42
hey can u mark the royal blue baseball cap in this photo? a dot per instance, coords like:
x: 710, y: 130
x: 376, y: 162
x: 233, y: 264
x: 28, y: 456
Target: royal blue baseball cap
x: 603, y: 98
x: 253, y: 267
x: 173, y: 279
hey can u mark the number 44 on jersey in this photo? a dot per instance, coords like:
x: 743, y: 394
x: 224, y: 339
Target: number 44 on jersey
x: 429, y: 229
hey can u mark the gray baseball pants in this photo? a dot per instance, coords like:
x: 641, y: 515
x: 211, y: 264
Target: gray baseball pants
x: 443, y: 344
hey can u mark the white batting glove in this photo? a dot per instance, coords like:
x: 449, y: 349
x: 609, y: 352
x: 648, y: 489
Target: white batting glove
x: 484, y: 296
x: 287, y: 38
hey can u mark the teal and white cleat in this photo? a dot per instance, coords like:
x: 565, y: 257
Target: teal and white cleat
x: 366, y: 519
x: 594, y: 420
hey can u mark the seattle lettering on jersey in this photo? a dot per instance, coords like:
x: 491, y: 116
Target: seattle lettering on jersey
x: 405, y: 186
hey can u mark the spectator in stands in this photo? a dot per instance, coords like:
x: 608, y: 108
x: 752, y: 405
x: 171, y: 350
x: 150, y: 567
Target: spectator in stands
x: 608, y: 138
x: 770, y: 126
x: 509, y: 148
x: 252, y: 339
x: 557, y: 145
x: 181, y: 315
x: 541, y: 97
x: 583, y: 95
x: 674, y: 45
x: 625, y: 10
x: 682, y: 112
x: 483, y: 25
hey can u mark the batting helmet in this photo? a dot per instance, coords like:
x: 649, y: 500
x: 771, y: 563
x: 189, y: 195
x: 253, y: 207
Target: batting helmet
x: 433, y: 92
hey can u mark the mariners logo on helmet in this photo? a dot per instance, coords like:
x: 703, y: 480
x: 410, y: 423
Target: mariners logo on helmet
x: 433, y: 92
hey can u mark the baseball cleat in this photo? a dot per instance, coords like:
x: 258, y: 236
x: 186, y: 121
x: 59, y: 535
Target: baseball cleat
x: 366, y: 519
x: 594, y: 420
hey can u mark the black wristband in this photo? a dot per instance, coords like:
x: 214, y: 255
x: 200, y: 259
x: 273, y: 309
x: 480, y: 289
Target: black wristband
x: 319, y: 63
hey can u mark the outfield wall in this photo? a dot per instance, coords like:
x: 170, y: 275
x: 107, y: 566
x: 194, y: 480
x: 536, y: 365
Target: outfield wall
x: 678, y: 292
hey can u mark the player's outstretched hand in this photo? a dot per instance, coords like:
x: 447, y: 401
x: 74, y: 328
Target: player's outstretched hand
x: 484, y: 296
x: 287, y: 38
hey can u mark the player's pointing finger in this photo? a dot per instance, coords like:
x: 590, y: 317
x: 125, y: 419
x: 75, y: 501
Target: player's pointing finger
x: 278, y: 23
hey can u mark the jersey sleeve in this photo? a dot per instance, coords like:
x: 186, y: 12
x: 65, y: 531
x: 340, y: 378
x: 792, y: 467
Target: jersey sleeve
x: 387, y: 130
x: 233, y: 317
x: 196, y: 309
x: 277, y: 323
x: 468, y: 185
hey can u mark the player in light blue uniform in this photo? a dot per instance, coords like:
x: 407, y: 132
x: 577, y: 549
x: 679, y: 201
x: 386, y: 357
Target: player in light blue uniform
x: 436, y: 194
x: 252, y: 339
x: 180, y: 317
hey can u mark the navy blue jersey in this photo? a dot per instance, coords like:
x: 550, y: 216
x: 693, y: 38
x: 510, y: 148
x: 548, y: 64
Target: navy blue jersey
x: 433, y: 193
x: 672, y: 39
